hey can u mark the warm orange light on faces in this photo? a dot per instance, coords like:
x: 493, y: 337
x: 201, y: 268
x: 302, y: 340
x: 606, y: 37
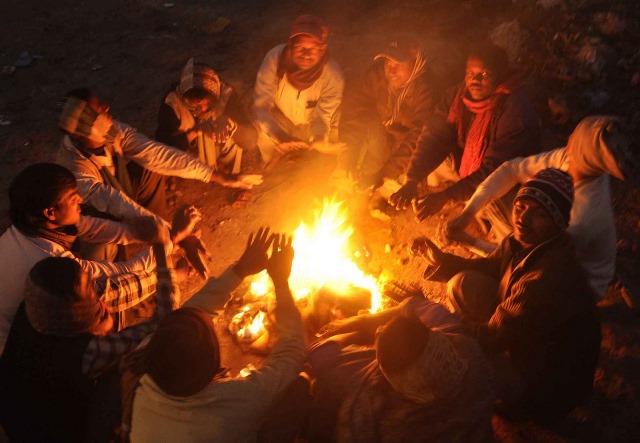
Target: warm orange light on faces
x: 66, y: 211
x: 479, y: 79
x: 199, y: 107
x: 532, y: 222
x: 307, y: 51
x: 398, y: 73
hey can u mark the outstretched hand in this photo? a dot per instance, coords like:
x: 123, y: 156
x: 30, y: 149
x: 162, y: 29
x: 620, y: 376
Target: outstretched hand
x: 254, y: 258
x: 404, y: 196
x: 246, y: 181
x: 429, y: 205
x: 425, y: 248
x: 184, y: 220
x: 279, y: 265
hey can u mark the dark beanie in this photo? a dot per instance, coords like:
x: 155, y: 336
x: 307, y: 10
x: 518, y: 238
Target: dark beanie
x: 553, y: 189
x: 183, y: 355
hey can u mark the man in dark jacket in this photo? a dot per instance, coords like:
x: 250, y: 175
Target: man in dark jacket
x: 384, y: 114
x: 478, y: 125
x: 529, y: 303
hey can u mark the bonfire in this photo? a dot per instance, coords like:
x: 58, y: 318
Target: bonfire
x: 325, y: 279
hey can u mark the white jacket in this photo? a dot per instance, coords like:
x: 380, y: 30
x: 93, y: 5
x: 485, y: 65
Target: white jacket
x: 315, y: 106
x: 21, y: 253
x: 132, y: 145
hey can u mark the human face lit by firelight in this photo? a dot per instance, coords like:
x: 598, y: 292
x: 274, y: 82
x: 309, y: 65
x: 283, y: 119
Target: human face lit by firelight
x: 479, y: 79
x: 307, y: 51
x: 66, y: 211
x: 398, y: 73
x: 532, y: 222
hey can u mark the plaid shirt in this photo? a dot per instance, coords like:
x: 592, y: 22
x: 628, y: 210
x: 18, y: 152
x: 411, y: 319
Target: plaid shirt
x: 120, y: 293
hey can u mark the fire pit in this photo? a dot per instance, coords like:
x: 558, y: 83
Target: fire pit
x: 325, y: 281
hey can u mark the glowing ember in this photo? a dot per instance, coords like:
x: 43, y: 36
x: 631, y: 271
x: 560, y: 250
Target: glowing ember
x: 249, y: 323
x: 322, y: 259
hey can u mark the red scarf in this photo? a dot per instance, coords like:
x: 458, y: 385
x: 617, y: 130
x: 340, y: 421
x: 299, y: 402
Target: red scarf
x: 298, y: 78
x: 477, y: 137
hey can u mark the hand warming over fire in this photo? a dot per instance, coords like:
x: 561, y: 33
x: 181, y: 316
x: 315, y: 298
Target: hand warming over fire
x: 196, y: 254
x: 245, y: 181
x: 429, y: 204
x: 184, y: 220
x: 364, y: 325
x: 254, y: 259
x: 425, y: 248
x: 406, y: 194
x: 279, y: 265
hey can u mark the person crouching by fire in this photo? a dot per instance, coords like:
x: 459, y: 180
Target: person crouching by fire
x: 479, y: 124
x: 120, y: 172
x: 529, y: 304
x: 184, y: 394
x: 203, y: 111
x: 298, y: 93
x: 418, y: 377
x: 382, y: 117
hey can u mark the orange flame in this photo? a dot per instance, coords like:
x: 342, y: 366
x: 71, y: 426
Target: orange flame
x: 322, y: 259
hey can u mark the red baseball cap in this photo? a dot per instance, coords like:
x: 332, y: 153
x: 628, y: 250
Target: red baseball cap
x: 312, y: 25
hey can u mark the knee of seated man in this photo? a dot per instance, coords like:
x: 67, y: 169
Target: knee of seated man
x: 472, y: 292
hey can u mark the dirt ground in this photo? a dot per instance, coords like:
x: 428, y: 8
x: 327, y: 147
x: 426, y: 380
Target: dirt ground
x: 130, y: 51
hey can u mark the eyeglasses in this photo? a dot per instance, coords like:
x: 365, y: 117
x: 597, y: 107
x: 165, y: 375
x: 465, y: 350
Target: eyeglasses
x: 484, y: 75
x: 311, y: 50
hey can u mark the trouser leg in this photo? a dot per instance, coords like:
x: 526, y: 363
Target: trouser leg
x: 376, y: 150
x: 149, y: 188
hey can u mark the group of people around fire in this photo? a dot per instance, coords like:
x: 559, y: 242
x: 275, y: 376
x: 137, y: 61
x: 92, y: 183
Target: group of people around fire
x: 90, y: 243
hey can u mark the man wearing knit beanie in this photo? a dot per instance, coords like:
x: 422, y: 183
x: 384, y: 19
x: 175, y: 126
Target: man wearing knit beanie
x: 542, y: 207
x: 529, y: 303
x: 599, y: 149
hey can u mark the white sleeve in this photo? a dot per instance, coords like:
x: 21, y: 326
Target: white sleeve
x: 143, y: 261
x: 161, y: 158
x: 265, y: 91
x: 100, y: 230
x: 329, y: 101
x: 513, y: 172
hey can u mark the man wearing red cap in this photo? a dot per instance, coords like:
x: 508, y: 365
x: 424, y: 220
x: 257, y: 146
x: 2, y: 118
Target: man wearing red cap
x: 298, y: 92
x: 383, y: 116
x: 529, y: 304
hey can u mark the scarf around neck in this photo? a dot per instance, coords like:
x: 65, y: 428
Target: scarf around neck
x: 298, y: 78
x: 397, y: 97
x: 121, y: 180
x: 64, y: 236
x: 477, y: 139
